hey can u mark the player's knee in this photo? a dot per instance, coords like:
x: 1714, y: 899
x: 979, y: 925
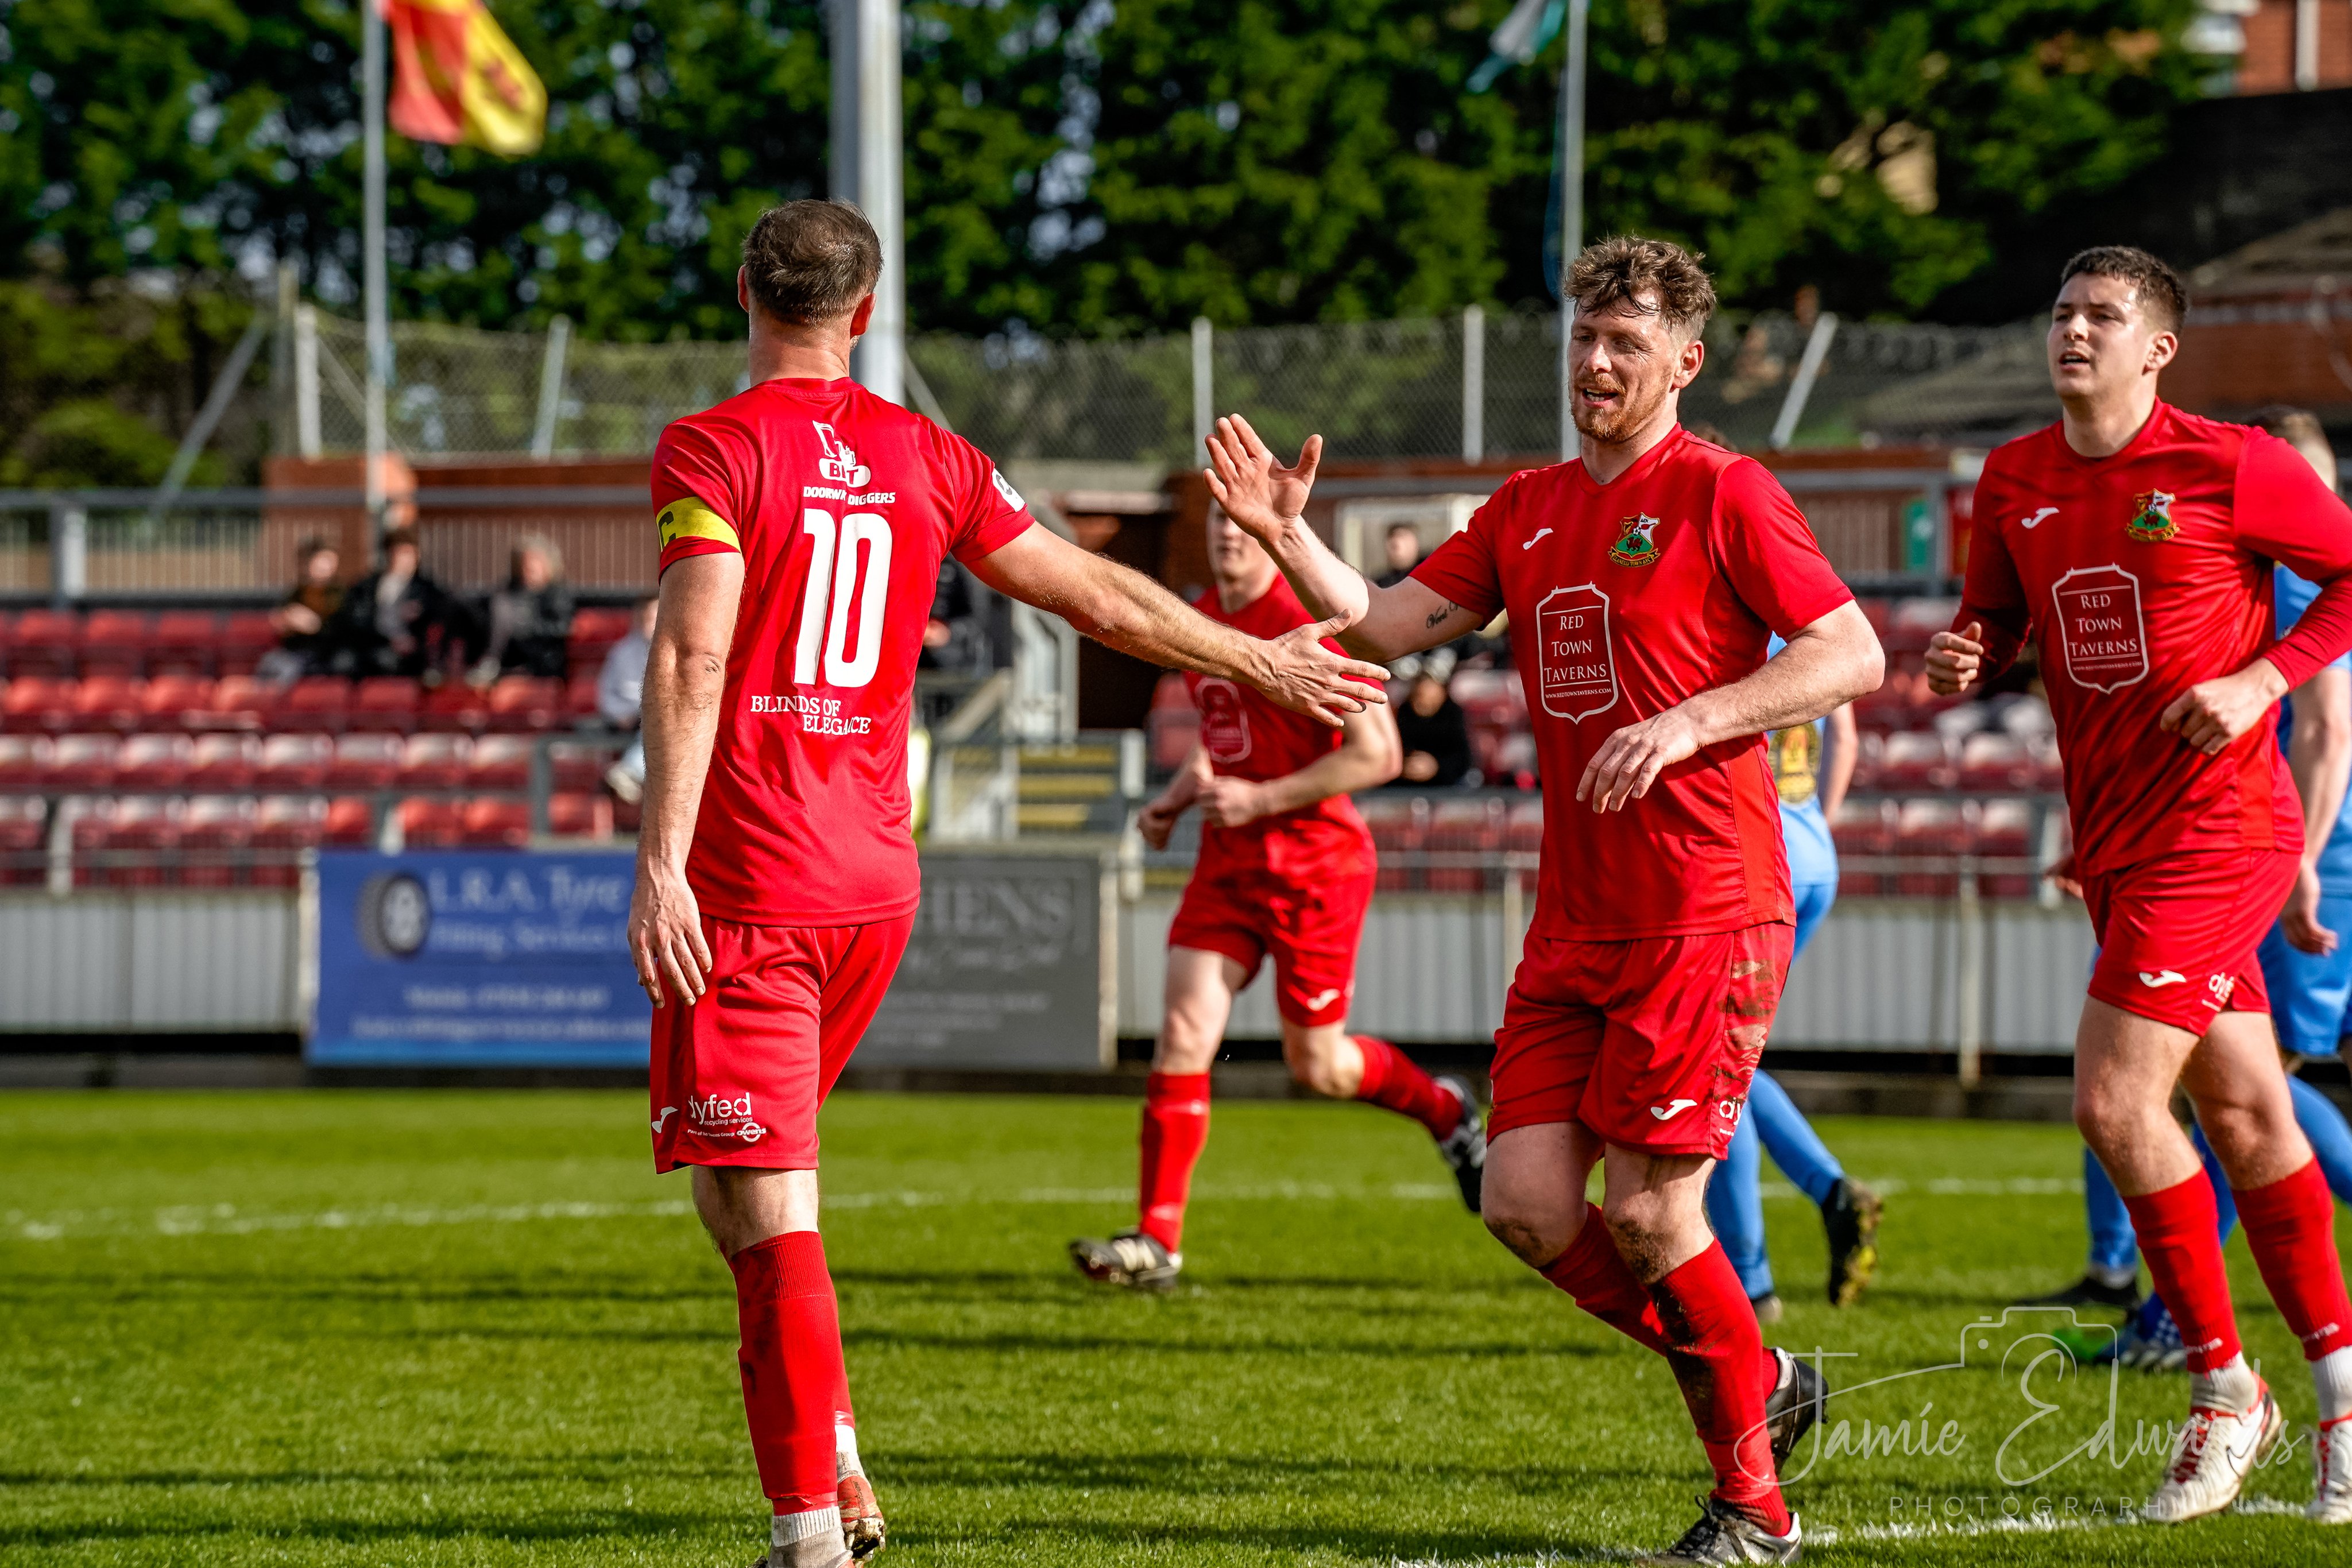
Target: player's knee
x: 1314, y: 1064
x: 1534, y: 1229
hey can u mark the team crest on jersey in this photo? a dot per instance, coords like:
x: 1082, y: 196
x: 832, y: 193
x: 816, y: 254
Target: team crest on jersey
x: 2152, y: 517
x: 839, y: 463
x: 1636, y: 544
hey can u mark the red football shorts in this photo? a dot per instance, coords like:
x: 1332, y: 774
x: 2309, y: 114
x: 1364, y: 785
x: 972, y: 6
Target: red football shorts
x: 738, y: 1076
x: 2178, y: 934
x: 1310, y: 924
x: 1649, y: 1044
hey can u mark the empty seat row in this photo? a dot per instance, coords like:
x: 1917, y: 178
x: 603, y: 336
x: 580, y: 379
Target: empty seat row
x: 38, y: 764
x: 386, y: 704
x: 202, y: 641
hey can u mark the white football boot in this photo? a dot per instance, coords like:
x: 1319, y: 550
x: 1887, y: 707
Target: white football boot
x: 2211, y: 1458
x: 2331, y: 1498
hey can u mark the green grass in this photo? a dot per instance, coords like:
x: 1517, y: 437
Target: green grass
x: 442, y: 1328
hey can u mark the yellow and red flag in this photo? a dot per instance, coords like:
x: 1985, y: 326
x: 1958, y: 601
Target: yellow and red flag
x: 458, y: 78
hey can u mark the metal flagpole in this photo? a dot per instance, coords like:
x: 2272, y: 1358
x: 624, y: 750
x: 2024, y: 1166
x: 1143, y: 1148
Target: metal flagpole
x: 372, y: 280
x: 1571, y: 204
x: 868, y: 169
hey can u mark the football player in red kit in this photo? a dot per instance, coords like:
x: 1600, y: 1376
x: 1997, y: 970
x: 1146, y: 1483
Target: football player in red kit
x: 1642, y: 580
x: 2135, y: 542
x: 1284, y: 872
x: 803, y: 525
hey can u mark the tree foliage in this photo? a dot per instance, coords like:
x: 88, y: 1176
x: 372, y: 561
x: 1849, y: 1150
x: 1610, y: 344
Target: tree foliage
x: 1117, y: 168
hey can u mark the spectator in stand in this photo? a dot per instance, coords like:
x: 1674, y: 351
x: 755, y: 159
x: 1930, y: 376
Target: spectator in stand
x: 954, y: 638
x: 529, y: 619
x: 398, y: 620
x: 1431, y: 725
x: 620, y: 688
x: 301, y: 619
x: 1403, y: 548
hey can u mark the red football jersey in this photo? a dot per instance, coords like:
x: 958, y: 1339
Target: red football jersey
x: 1625, y: 599
x: 1249, y: 735
x: 843, y: 506
x: 2152, y: 567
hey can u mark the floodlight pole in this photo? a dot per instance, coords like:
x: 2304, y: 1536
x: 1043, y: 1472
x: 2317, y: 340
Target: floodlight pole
x: 374, y: 283
x: 1571, y: 204
x: 868, y: 167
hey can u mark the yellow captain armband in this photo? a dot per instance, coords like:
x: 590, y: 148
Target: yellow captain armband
x: 688, y: 518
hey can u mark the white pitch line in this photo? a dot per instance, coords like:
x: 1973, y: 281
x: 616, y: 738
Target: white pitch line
x: 226, y: 1220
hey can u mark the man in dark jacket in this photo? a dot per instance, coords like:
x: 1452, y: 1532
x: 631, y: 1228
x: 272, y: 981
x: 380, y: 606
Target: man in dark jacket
x: 397, y: 620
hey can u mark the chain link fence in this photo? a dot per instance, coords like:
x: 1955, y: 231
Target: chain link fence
x: 1374, y: 390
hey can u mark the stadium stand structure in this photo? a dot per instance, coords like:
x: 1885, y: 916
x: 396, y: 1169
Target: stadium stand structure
x: 144, y: 742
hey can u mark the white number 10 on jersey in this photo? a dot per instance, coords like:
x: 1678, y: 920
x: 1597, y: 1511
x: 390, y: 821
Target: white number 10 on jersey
x: 833, y: 575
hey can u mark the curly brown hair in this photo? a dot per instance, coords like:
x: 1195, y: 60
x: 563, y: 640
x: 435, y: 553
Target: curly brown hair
x: 1623, y: 269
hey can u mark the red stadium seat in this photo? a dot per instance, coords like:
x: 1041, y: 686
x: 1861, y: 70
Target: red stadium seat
x: 576, y: 814
x: 499, y: 762
x: 1925, y: 828
x: 82, y: 763
x: 2003, y: 830
x: 244, y: 638
x: 315, y: 702
x: 24, y: 763
x: 43, y: 642
x: 350, y: 822
x: 1476, y: 829
x: 495, y: 824
x: 291, y: 764
x: 108, y: 701
x: 574, y: 766
x: 184, y: 642
x: 154, y: 762
x: 125, y: 842
x: 23, y: 841
x: 223, y: 763
x: 36, y: 703
x: 385, y: 704
x: 1862, y: 829
x: 1911, y: 622
x: 215, y: 839
x: 429, y: 824
x: 433, y: 761
x: 112, y: 641
x: 594, y: 633
x: 453, y: 709
x: 1915, y: 759
x: 520, y: 703
x: 284, y: 826
x: 176, y: 702
x: 1869, y: 760
x: 365, y: 762
x: 1398, y: 827
x: 239, y: 701
x: 580, y: 696
x: 1992, y: 763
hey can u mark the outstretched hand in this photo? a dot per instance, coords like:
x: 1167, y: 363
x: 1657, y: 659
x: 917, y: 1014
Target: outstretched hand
x: 1298, y: 672
x: 1259, y: 494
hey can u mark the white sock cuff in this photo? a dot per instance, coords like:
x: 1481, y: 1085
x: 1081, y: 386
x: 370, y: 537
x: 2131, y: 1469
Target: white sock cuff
x: 2331, y: 1377
x: 791, y: 1527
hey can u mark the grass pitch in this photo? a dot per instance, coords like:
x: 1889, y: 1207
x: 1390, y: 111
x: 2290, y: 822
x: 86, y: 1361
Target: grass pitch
x: 359, y: 1328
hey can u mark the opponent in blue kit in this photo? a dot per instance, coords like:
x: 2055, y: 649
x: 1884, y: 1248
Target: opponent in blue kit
x: 1812, y: 763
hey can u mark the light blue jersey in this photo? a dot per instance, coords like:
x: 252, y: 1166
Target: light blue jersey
x: 2294, y: 596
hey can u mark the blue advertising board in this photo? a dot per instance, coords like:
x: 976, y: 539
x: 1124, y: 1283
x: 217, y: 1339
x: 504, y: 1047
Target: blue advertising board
x: 476, y: 959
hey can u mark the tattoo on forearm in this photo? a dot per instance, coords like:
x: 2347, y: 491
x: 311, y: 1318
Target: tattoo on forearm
x: 1440, y: 613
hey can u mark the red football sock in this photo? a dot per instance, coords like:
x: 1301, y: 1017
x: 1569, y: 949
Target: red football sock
x: 1594, y: 1272
x: 2176, y: 1228
x: 1718, y: 1357
x: 1394, y: 1081
x: 1175, y: 1128
x: 2291, y: 1228
x: 792, y: 1376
